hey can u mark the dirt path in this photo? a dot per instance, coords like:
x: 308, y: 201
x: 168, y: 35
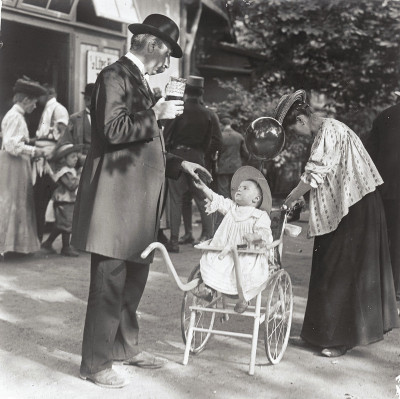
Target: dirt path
x: 42, y: 309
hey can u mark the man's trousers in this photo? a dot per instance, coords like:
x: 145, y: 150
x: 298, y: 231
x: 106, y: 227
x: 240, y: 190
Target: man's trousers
x: 111, y: 326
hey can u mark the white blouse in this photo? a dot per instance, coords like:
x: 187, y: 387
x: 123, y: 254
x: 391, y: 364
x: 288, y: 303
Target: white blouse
x: 15, y: 132
x: 340, y: 172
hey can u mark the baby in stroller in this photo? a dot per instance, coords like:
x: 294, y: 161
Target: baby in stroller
x: 246, y: 223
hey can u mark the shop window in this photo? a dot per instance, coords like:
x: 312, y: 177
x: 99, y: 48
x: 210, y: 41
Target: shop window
x: 58, y: 8
x: 88, y: 14
x: 64, y: 6
x: 9, y: 2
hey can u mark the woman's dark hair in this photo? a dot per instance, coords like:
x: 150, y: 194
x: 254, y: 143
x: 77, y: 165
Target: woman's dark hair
x: 298, y: 108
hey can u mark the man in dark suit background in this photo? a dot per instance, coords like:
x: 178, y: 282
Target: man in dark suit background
x: 383, y: 144
x: 189, y: 137
x: 119, y: 200
x: 79, y: 126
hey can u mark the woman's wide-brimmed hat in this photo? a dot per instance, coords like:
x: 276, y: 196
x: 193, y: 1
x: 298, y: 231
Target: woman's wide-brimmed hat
x: 29, y: 87
x: 286, y: 102
x: 162, y: 27
x: 250, y: 173
x: 64, y: 149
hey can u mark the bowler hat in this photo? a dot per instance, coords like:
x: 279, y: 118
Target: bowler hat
x: 88, y: 90
x: 250, y: 173
x: 29, y: 87
x: 195, y: 81
x: 162, y: 27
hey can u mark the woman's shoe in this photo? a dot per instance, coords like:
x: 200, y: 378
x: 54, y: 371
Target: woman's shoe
x: 335, y: 351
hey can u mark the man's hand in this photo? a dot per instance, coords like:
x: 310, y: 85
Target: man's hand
x: 197, y: 171
x: 168, y: 109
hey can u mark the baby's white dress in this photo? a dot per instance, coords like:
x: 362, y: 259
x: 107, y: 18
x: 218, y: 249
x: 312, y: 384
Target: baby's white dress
x: 220, y: 273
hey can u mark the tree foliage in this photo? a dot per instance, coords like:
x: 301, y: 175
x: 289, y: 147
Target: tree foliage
x: 347, y: 49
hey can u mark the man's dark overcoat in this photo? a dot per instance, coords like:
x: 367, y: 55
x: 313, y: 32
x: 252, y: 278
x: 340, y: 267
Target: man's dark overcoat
x: 79, y: 128
x: 120, y: 193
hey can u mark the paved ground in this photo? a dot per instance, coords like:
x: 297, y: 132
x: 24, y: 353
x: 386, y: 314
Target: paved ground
x: 42, y: 308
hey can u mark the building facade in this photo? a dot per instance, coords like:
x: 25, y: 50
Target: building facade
x: 67, y: 42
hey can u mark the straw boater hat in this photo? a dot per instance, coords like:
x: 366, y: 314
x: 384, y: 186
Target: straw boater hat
x: 29, y: 87
x: 162, y: 27
x: 250, y: 173
x: 286, y: 102
x: 64, y: 149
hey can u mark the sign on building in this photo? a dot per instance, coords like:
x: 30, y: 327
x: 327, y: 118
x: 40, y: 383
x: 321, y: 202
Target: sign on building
x: 96, y: 61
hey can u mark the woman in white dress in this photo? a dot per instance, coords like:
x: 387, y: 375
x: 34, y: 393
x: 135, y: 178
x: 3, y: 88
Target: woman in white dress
x: 246, y: 220
x: 17, y: 222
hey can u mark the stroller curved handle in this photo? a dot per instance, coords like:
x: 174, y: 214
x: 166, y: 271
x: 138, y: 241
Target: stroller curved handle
x: 183, y: 286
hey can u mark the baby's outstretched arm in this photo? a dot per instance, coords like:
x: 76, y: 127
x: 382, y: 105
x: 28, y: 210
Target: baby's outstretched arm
x: 206, y: 190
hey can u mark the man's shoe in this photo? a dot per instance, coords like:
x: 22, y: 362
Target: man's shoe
x: 172, y: 247
x: 146, y: 360
x: 68, y: 251
x: 161, y: 237
x: 186, y: 239
x: 107, y: 378
x: 47, y: 247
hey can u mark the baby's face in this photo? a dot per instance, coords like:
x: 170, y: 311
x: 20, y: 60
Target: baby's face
x: 247, y: 194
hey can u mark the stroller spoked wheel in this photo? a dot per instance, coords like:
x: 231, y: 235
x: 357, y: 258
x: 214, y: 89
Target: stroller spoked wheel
x: 278, y: 316
x: 202, y: 319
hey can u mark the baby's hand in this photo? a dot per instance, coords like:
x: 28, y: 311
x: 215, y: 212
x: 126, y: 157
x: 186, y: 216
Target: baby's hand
x: 199, y: 183
x: 249, y: 237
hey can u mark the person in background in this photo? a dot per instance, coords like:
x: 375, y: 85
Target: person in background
x: 120, y: 194
x: 52, y: 126
x: 18, y: 222
x: 351, y: 298
x: 383, y: 145
x: 66, y: 157
x: 79, y: 127
x: 230, y: 159
x: 190, y: 136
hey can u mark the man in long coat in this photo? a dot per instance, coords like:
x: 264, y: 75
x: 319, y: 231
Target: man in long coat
x: 383, y: 145
x: 120, y: 197
x: 79, y: 126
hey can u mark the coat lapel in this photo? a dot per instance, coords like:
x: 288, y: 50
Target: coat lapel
x: 130, y: 67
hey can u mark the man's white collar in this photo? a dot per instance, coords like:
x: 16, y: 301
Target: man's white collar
x: 136, y: 61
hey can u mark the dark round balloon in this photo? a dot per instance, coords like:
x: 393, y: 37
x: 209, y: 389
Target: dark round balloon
x: 265, y: 138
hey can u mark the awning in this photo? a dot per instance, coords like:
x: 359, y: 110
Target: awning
x: 118, y: 10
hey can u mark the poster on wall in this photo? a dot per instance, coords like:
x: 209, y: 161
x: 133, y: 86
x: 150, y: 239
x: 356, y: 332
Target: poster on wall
x: 96, y: 61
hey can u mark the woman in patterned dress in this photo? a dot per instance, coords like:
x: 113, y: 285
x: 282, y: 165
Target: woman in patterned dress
x: 351, y: 298
x: 17, y: 216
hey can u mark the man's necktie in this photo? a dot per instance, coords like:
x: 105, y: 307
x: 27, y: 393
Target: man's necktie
x: 146, y: 85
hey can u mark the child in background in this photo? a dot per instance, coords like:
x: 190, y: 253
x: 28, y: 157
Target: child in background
x: 246, y: 221
x: 64, y: 196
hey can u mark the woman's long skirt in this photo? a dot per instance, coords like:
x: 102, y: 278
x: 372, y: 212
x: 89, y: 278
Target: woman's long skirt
x: 18, y: 232
x: 351, y: 298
